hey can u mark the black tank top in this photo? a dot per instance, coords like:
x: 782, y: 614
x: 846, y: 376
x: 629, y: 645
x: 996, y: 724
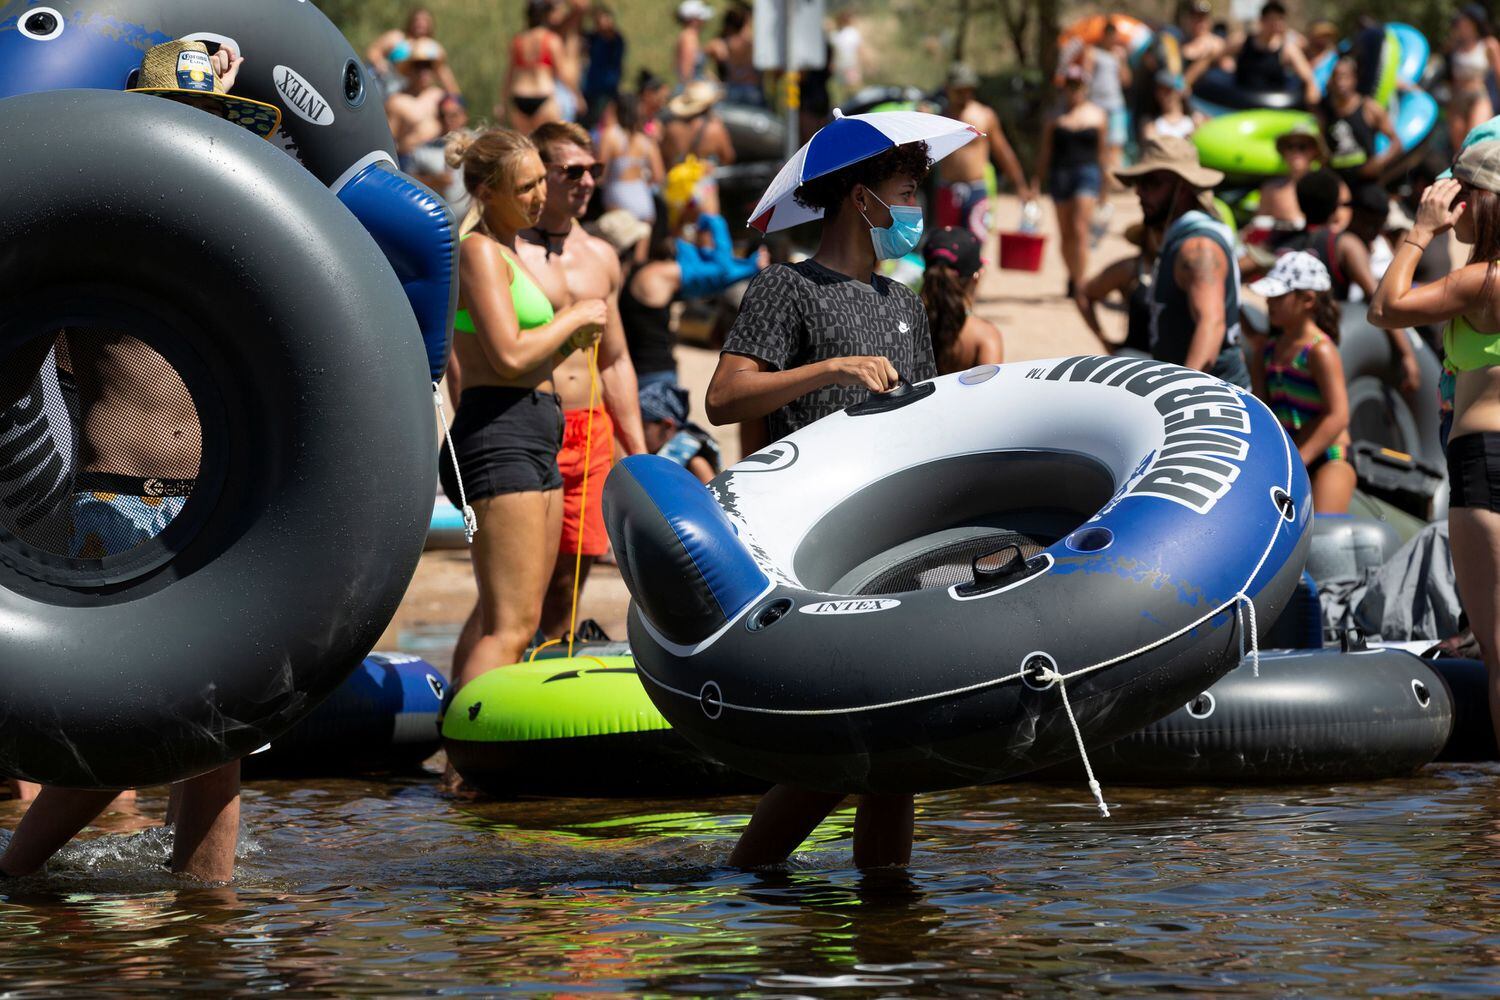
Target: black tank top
x: 1351, y: 139
x: 648, y: 331
x: 1138, y: 311
x: 1074, y: 148
x: 1260, y: 68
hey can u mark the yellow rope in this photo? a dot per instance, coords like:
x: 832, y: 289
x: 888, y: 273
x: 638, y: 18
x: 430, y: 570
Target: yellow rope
x: 534, y: 652
x: 583, y: 507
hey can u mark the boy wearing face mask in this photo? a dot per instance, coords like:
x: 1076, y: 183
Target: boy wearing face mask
x: 813, y: 338
x: 820, y: 335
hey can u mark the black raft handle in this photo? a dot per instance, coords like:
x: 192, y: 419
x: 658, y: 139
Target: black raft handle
x: 904, y: 394
x: 987, y: 578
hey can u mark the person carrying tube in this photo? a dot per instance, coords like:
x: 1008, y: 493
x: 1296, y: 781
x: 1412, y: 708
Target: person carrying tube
x: 815, y: 337
x: 131, y: 488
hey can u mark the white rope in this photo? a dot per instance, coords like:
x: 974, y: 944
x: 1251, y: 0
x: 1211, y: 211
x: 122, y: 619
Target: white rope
x: 471, y: 522
x: 1244, y: 600
x: 1083, y: 754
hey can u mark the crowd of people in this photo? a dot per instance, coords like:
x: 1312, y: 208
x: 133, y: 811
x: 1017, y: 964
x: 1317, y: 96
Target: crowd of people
x: 594, y: 211
x: 593, y: 377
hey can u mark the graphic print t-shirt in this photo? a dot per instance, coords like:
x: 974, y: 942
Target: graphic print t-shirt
x: 798, y: 314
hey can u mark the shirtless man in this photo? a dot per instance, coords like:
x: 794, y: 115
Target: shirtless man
x: 1201, y: 48
x: 139, y: 446
x: 693, y: 129
x: 963, y: 199
x: 571, y: 265
x: 139, y: 449
x: 413, y: 113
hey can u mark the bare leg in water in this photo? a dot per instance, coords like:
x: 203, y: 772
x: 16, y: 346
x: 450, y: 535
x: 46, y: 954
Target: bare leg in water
x: 205, y: 811
x: 1474, y: 535
x: 786, y: 816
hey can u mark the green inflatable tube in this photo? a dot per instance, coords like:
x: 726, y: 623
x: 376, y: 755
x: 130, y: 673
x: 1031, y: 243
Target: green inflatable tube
x: 575, y: 727
x: 1244, y: 143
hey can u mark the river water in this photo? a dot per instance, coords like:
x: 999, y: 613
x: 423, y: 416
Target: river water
x: 360, y: 888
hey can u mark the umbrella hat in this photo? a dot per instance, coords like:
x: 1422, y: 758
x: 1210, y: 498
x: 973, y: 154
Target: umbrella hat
x: 849, y: 139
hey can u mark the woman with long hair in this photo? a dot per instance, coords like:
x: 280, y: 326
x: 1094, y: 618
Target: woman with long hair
x: 509, y: 424
x: 1073, y: 150
x: 652, y: 93
x: 632, y: 162
x: 530, y: 92
x: 1300, y: 376
x: 960, y: 339
x: 1468, y: 302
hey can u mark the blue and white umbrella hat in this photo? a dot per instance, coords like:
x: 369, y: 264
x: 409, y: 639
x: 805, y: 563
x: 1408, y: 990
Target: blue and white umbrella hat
x: 848, y: 139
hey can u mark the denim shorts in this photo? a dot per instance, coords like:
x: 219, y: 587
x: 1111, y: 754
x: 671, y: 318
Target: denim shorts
x: 1086, y: 179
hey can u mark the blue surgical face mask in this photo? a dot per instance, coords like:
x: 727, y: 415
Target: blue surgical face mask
x: 901, y: 236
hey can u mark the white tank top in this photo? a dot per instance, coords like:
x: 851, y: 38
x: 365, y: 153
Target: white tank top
x: 1182, y: 128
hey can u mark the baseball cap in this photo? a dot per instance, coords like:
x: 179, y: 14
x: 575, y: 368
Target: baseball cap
x: 954, y: 247
x: 1479, y: 165
x: 1293, y: 272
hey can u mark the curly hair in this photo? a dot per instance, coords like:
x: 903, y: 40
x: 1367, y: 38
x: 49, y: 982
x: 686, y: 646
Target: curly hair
x: 829, y: 191
x: 946, y: 299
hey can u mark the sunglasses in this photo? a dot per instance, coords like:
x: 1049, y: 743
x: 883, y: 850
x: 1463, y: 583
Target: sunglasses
x: 575, y: 172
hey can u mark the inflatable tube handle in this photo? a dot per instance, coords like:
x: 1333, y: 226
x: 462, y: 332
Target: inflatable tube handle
x: 415, y: 230
x: 904, y: 394
x: 685, y: 566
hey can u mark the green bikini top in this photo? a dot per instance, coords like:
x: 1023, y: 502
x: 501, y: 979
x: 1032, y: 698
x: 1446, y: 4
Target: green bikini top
x: 532, y: 307
x: 1467, y: 349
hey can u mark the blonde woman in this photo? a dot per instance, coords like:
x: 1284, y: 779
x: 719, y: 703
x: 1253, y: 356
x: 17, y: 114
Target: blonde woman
x: 509, y: 424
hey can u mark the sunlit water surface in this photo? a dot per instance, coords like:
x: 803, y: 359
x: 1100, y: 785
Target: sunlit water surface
x: 363, y: 888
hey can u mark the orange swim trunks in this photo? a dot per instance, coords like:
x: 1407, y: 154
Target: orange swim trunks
x: 570, y: 461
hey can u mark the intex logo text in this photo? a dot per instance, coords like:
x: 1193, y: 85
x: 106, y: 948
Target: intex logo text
x: 302, y: 97
x: 862, y: 606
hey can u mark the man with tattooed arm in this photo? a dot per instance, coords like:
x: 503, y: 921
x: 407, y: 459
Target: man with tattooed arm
x: 1195, y: 290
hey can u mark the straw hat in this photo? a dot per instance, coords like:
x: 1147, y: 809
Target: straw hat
x: 1174, y: 155
x: 621, y: 230
x: 182, y: 71
x: 696, y: 98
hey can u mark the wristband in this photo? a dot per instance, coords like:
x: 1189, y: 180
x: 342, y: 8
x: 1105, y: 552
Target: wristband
x: 1419, y: 246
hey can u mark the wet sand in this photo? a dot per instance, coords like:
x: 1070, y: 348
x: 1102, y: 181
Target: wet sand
x: 1035, y: 318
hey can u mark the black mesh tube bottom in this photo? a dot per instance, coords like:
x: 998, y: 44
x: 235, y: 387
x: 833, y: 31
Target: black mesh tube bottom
x: 951, y: 563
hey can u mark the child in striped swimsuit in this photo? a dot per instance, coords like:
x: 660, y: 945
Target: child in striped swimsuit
x: 1300, y: 377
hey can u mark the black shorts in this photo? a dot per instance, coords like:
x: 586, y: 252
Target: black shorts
x: 506, y: 441
x: 1474, y: 471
